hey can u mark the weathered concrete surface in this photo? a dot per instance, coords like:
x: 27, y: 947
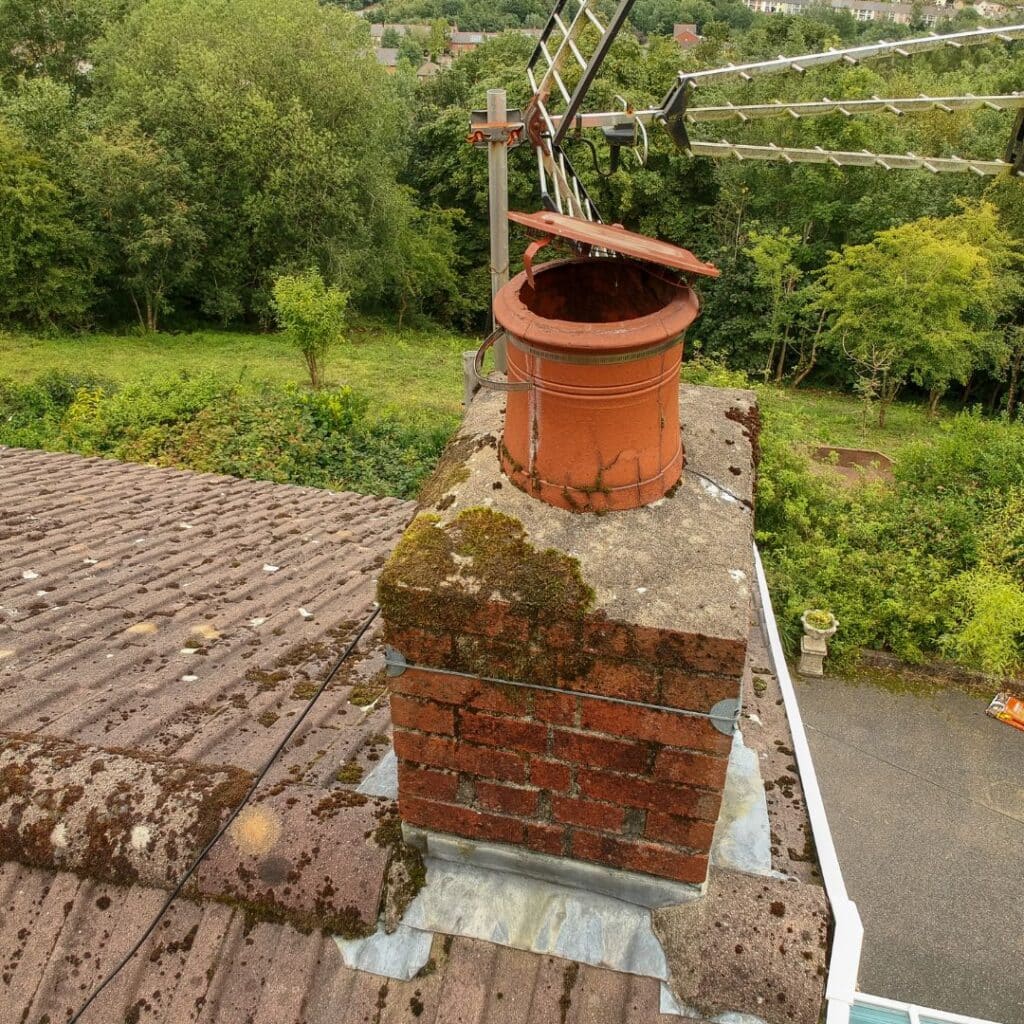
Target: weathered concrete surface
x: 110, y: 815
x: 925, y: 796
x: 696, y: 577
x: 752, y: 945
x: 316, y: 858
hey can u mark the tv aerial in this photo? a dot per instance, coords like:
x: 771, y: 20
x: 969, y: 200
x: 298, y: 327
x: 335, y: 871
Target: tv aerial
x: 555, y: 108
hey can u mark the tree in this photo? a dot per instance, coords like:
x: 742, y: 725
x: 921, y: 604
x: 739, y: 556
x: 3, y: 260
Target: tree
x: 312, y: 316
x: 288, y: 140
x: 54, y: 38
x: 776, y: 271
x: 138, y: 196
x: 917, y: 303
x: 46, y: 268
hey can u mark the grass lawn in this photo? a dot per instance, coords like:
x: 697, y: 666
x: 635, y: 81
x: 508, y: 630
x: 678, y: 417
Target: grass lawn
x: 415, y: 370
x: 834, y: 418
x: 408, y: 369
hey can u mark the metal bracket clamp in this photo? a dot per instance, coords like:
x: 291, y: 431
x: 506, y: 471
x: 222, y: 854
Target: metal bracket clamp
x: 486, y: 382
x: 394, y: 662
x: 725, y: 714
x: 673, y: 113
x: 482, y: 132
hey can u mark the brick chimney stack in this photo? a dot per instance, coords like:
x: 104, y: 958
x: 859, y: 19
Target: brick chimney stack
x: 568, y: 677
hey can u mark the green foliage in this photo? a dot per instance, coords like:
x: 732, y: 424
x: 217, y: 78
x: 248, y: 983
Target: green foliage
x: 330, y: 438
x: 312, y: 316
x: 931, y: 564
x: 988, y: 618
x: 919, y: 302
x: 46, y: 268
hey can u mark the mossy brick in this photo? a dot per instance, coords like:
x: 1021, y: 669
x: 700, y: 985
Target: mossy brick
x: 691, y: 651
x: 520, y: 662
x: 694, y: 691
x: 635, y: 791
x: 497, y: 620
x: 665, y: 727
x: 588, y: 813
x: 688, y: 832
x: 461, y: 692
x: 422, y: 715
x: 611, y: 678
x: 684, y: 766
x: 516, y: 800
x: 607, y: 638
x: 550, y: 775
x: 462, y: 821
x: 560, y: 635
x: 427, y: 782
x: 631, y: 855
x: 420, y: 646
x: 599, y: 751
x: 516, y: 734
x: 438, y: 570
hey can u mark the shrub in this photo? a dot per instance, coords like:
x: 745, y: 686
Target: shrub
x: 312, y: 315
x: 330, y: 438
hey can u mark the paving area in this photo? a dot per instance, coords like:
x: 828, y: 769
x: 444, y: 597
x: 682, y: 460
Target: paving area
x: 925, y: 797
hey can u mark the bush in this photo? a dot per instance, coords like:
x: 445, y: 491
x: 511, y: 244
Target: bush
x: 331, y: 438
x: 312, y: 316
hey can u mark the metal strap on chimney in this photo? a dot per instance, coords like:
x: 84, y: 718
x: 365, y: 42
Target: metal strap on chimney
x: 724, y: 716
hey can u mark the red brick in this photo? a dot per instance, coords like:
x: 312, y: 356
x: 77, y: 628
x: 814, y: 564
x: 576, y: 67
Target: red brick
x: 560, y: 635
x: 456, y: 690
x: 555, y: 708
x: 599, y: 751
x: 496, y: 619
x: 632, y: 791
x: 507, y: 799
x: 435, y: 750
x: 696, y: 835
x: 609, y: 638
x: 587, y: 813
x: 423, y: 715
x: 419, y: 645
x: 425, y: 782
x: 511, y: 733
x: 620, y: 679
x: 691, y: 651
x: 690, y: 768
x: 680, y: 689
x: 492, y: 764
x: 665, y: 727
x: 545, y: 838
x: 634, y: 855
x: 550, y: 774
x: 462, y: 821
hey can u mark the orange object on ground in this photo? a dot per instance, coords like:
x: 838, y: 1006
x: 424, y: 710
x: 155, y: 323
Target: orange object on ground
x: 1008, y: 709
x: 596, y: 345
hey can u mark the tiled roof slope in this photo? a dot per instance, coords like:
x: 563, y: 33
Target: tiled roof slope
x: 205, y: 964
x: 184, y: 618
x: 181, y: 614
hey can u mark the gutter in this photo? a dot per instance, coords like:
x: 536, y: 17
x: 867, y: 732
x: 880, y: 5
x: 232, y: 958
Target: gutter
x: 844, y: 961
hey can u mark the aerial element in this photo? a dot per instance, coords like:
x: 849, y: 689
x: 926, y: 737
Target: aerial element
x: 554, y: 109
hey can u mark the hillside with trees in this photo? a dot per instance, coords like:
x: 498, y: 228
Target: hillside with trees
x: 193, y: 174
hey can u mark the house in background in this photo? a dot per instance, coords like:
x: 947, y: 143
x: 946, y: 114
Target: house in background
x: 388, y: 56
x: 686, y: 36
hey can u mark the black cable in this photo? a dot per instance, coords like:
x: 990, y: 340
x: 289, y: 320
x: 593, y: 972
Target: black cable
x: 176, y: 891
x: 745, y: 502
